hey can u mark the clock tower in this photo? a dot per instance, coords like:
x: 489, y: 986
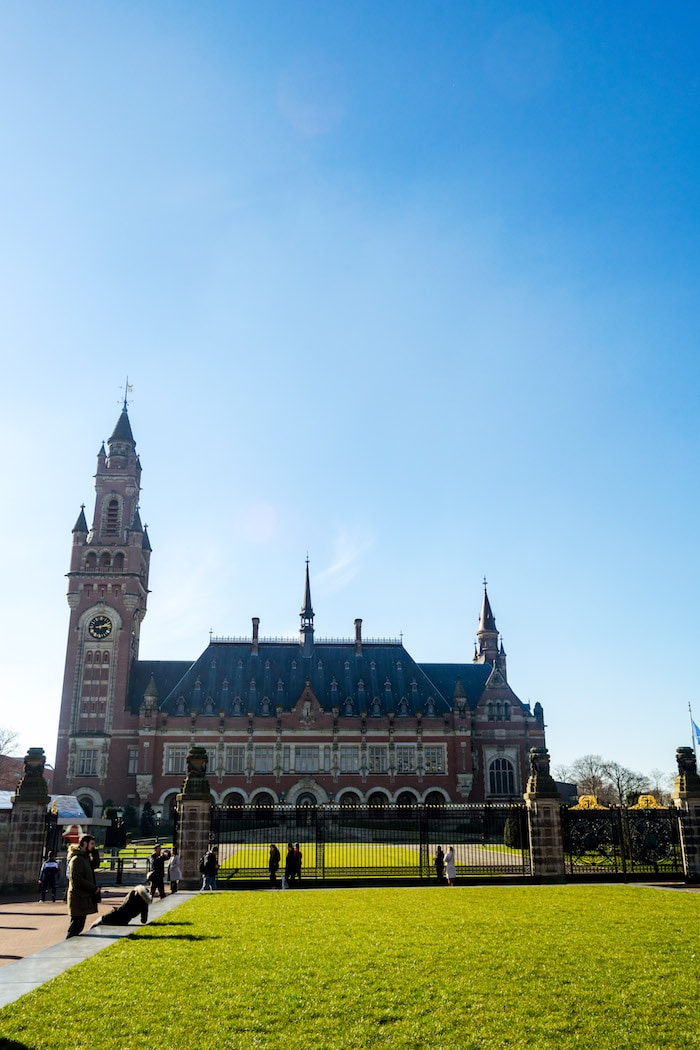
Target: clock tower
x: 107, y: 595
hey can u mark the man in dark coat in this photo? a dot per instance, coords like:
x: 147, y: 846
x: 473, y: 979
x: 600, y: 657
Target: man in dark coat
x: 82, y: 888
x: 273, y: 864
x: 135, y: 903
x: 290, y: 867
x: 157, y: 875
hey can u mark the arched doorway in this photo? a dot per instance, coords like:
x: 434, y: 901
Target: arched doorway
x: 435, y: 798
x: 377, y: 799
x: 406, y: 798
x: 234, y: 798
x: 350, y: 798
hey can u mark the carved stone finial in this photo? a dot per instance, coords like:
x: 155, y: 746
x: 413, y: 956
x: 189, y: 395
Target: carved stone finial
x: 687, y: 781
x: 33, y: 787
x: 540, y: 782
x: 196, y: 783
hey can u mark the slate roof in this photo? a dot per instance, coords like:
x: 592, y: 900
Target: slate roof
x: 122, y: 430
x: 166, y: 674
x: 230, y: 676
x: 472, y: 676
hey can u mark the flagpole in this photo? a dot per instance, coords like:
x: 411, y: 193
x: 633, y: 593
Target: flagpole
x: 692, y: 731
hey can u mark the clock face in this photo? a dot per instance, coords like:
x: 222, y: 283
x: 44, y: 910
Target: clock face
x: 100, y: 627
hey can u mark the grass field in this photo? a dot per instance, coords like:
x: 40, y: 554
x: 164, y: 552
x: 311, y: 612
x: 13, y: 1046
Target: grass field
x: 473, y: 968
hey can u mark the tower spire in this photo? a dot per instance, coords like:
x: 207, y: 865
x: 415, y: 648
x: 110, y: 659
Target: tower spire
x: 307, y: 616
x: 487, y: 634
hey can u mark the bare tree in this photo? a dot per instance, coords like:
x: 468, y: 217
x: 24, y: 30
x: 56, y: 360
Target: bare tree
x: 661, y: 784
x: 589, y: 773
x: 10, y: 768
x: 8, y: 740
x: 625, y: 783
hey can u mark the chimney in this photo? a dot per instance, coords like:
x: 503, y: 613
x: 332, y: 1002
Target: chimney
x: 358, y: 637
x: 256, y: 625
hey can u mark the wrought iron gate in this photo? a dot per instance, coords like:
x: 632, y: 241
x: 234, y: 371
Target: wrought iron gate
x: 622, y: 842
x: 342, y: 843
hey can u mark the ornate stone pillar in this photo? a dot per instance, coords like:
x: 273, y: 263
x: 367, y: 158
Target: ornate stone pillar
x: 543, y: 803
x: 27, y: 832
x: 686, y: 798
x: 194, y: 817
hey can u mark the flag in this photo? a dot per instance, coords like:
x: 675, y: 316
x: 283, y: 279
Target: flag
x: 696, y: 730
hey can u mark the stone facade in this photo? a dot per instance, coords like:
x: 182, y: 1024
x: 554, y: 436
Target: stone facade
x: 300, y: 720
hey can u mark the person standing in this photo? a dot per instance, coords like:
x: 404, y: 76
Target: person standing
x: 439, y: 864
x: 48, y: 876
x: 273, y: 864
x: 297, y: 862
x: 174, y: 871
x: 290, y: 868
x: 157, y: 876
x: 450, y: 867
x: 82, y: 887
x: 210, y: 866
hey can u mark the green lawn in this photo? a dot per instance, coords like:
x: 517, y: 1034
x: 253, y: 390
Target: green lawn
x: 472, y: 967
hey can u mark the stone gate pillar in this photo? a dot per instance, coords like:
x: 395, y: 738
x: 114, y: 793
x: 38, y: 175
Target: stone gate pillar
x: 194, y: 817
x: 27, y: 832
x: 686, y: 798
x: 543, y: 803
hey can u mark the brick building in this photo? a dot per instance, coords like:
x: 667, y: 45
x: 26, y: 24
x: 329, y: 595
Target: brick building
x: 300, y: 720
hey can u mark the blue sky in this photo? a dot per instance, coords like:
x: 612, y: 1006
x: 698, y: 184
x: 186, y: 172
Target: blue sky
x: 409, y: 287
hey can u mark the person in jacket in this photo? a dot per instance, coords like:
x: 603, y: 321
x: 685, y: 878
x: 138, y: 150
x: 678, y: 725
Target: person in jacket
x: 290, y: 868
x: 273, y: 864
x: 48, y: 876
x: 210, y: 866
x: 450, y: 867
x: 135, y: 903
x: 174, y: 871
x: 82, y: 887
x: 157, y: 874
x: 297, y: 862
x: 439, y: 864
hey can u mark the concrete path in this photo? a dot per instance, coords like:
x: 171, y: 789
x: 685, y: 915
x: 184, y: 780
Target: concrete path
x: 33, y: 948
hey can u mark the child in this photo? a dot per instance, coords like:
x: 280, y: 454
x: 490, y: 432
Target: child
x: 48, y: 876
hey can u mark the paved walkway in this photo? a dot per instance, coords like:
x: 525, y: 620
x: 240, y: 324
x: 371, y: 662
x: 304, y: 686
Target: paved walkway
x: 33, y: 948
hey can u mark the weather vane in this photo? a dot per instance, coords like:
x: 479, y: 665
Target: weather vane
x: 128, y: 387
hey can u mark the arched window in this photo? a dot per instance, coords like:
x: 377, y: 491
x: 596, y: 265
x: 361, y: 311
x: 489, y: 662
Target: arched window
x: 406, y: 798
x: 263, y: 800
x: 350, y: 798
x: 112, y: 517
x: 119, y: 561
x: 377, y: 799
x: 501, y: 777
x: 91, y: 562
x: 87, y: 803
x: 105, y: 560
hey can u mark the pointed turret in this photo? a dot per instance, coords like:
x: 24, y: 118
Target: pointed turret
x: 307, y: 617
x: 81, y: 523
x: 487, y: 634
x: 122, y: 431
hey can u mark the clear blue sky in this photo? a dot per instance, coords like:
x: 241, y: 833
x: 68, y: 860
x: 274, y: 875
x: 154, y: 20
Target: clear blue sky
x: 412, y: 287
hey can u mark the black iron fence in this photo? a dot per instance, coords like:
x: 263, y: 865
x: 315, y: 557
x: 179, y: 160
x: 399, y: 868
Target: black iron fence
x: 623, y: 842
x: 343, y: 843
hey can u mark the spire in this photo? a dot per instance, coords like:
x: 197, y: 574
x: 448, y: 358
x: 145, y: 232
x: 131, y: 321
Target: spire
x: 122, y: 430
x: 307, y: 616
x: 486, y: 620
x: 81, y: 523
x: 487, y: 634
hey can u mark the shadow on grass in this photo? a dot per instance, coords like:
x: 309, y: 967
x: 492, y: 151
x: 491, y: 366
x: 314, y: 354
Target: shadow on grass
x: 11, y: 1044
x: 165, y: 936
